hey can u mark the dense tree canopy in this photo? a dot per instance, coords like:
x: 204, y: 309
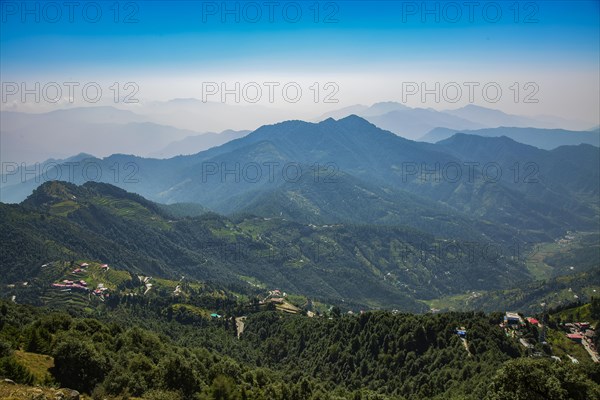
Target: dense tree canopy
x: 137, y: 351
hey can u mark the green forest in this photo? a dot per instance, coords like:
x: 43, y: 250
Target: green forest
x: 117, y: 297
x: 137, y: 350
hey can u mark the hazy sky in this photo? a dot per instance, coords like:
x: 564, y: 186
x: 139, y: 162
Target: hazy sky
x: 355, y: 52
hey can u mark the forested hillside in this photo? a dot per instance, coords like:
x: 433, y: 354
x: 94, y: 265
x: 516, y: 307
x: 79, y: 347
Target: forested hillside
x: 382, y: 266
x: 322, y: 172
x: 377, y: 355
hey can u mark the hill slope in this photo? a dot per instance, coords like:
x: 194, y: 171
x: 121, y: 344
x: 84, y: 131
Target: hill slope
x: 460, y: 173
x: 380, y: 266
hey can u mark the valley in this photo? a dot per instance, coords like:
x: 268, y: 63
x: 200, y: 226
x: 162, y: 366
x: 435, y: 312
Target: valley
x: 248, y: 268
x: 337, y: 200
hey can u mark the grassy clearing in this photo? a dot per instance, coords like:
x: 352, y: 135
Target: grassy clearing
x: 131, y: 210
x: 452, y: 303
x: 64, y: 208
x: 22, y: 392
x: 535, y: 262
x: 201, y: 312
x: 253, y: 281
x: 38, y: 364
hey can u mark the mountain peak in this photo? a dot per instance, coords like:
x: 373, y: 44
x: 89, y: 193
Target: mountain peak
x: 353, y: 118
x: 327, y: 121
x: 52, y: 192
x: 64, y: 197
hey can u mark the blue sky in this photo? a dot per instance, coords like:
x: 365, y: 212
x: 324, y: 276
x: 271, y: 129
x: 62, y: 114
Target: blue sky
x: 361, y: 39
x: 174, y: 34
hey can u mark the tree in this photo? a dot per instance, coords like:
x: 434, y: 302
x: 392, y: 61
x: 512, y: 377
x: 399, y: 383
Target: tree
x: 39, y: 341
x: 223, y: 388
x: 177, y: 374
x: 5, y: 349
x: 531, y: 379
x: 595, y: 308
x: 78, y: 365
x: 336, y: 312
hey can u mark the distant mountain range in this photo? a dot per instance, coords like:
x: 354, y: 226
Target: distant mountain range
x: 95, y: 130
x: 547, y: 139
x: 155, y: 130
x: 352, y: 171
x: 188, y: 126
x: 413, y: 123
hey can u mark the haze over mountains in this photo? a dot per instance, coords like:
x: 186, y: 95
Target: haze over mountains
x: 547, y: 139
x: 194, y: 144
x: 413, y: 123
x: 324, y: 172
x: 104, y: 130
x: 389, y: 206
x: 300, y: 200
x: 489, y: 187
x: 188, y: 126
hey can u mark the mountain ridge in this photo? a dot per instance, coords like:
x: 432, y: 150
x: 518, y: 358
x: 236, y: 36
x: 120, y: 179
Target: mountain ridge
x: 226, y: 177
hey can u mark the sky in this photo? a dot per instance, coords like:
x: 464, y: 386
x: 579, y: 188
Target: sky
x: 530, y: 58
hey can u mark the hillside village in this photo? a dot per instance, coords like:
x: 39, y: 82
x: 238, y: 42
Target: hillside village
x: 87, y: 287
x: 533, y: 335
x: 97, y: 281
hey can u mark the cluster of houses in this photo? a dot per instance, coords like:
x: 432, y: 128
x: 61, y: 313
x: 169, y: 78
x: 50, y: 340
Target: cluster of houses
x: 579, y: 330
x: 80, y: 285
x: 512, y: 324
x: 82, y: 268
x: 584, y: 334
x: 568, y: 238
x: 67, y: 285
x: 275, y: 296
x: 101, y: 292
x: 513, y: 320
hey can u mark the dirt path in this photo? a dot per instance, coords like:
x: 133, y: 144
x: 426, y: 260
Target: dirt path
x: 239, y: 324
x: 464, y: 342
x: 592, y: 353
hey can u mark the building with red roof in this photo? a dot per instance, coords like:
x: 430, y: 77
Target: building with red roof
x: 576, y: 337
